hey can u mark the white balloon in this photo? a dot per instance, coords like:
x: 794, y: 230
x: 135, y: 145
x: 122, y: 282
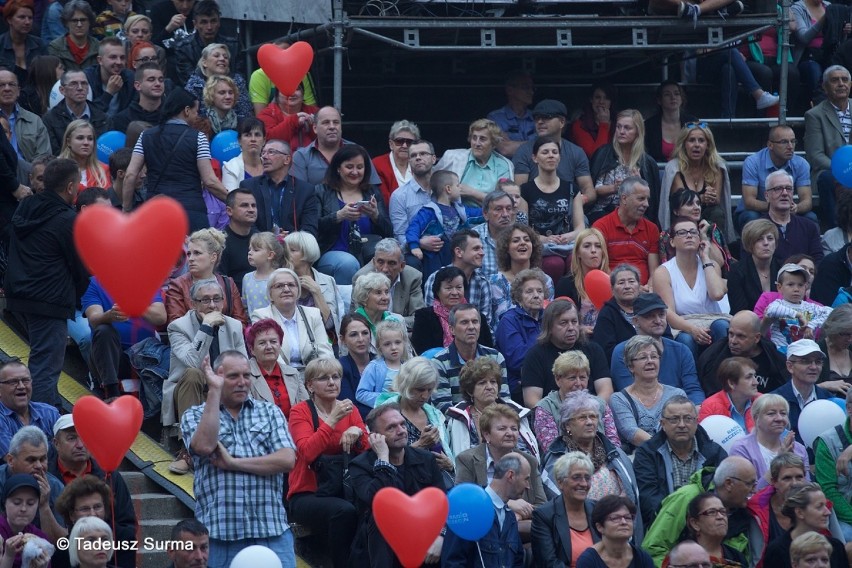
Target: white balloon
x: 817, y: 417
x: 256, y: 556
x: 723, y: 430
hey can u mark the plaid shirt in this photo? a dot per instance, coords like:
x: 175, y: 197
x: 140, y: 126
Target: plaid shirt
x: 478, y: 294
x: 489, y: 246
x: 235, y: 505
x: 448, y: 364
x: 682, y: 470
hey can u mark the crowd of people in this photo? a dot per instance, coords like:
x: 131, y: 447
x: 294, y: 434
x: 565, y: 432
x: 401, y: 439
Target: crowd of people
x: 426, y: 318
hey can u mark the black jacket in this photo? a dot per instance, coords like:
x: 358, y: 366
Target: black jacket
x: 8, y: 186
x: 654, y: 134
x: 604, y: 160
x: 329, y: 228
x: 59, y: 117
x: 426, y: 333
x: 299, y: 209
x: 833, y: 274
x: 45, y: 276
x: 102, y: 99
x: 187, y: 52
x: 655, y: 482
x: 611, y: 328
x: 551, y: 533
x: 744, y: 288
x: 709, y: 361
x: 135, y: 112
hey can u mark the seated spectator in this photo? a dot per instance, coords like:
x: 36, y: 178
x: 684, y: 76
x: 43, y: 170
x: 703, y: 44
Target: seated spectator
x: 355, y: 341
x: 666, y: 462
x: 763, y: 58
x: 785, y: 471
x: 793, y: 317
x: 518, y: 249
x: 109, y: 23
x: 43, y: 73
x: 612, y: 518
x: 624, y: 158
x: 803, y: 261
x: 16, y: 406
x: 393, y: 168
x: 808, y: 19
x: 406, y: 289
x: 380, y: 374
x: 318, y: 290
x: 118, y: 163
x: 500, y: 427
x: 630, y: 237
x: 203, y: 331
x: 391, y: 462
x: 692, y: 287
x: 733, y: 483
x: 804, y: 362
x: 324, y: 426
x: 72, y: 462
x: 220, y: 94
x: 110, y: 79
x: 78, y: 144
x: 728, y: 68
x: 305, y: 337
x: 689, y: 552
x: 757, y: 270
x: 19, y: 46
x: 571, y: 370
x: 78, y: 48
x: 29, y: 135
x: 561, y: 332
x: 237, y: 223
x: 520, y: 326
x: 216, y: 59
x: 204, y: 251
x: 832, y: 468
x: 262, y: 90
x: 836, y: 343
x: 21, y: 497
x: 171, y: 22
x: 206, y: 21
x: 589, y: 254
x: 590, y: 130
x: 351, y: 209
x: 676, y: 365
x: 74, y: 86
x: 515, y: 119
x: 637, y: 424
x: 663, y: 127
x: 91, y: 538
x: 837, y: 237
x: 615, y: 319
x: 371, y: 299
x: 288, y: 118
x: 810, y: 548
x: 271, y: 379
x: 266, y: 255
x: 779, y: 154
x: 738, y: 377
x: 113, y: 333
x: 481, y: 166
x: 798, y: 235
x: 834, y: 276
x: 407, y: 200
x: 809, y: 511
x: 571, y: 509
x: 137, y: 29
x: 248, y: 165
x: 697, y: 166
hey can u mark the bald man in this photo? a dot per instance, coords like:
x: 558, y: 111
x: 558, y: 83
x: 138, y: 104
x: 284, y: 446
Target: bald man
x: 744, y: 340
x: 689, y: 553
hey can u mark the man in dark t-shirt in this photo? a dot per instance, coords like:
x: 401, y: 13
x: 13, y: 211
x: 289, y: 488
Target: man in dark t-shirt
x: 242, y: 214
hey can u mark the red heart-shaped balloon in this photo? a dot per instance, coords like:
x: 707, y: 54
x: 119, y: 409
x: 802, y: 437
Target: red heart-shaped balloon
x: 286, y: 67
x: 131, y: 255
x: 108, y: 430
x: 598, y: 288
x: 410, y: 524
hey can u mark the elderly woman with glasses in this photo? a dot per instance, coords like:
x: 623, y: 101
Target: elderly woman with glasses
x: 613, y: 517
x: 562, y: 528
x: 770, y: 437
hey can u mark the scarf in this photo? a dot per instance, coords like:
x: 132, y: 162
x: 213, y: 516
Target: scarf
x: 598, y: 454
x: 78, y: 53
x: 443, y: 314
x: 219, y: 124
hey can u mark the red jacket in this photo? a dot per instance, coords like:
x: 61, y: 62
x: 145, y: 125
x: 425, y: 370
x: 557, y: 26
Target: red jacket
x: 280, y: 126
x: 384, y: 169
x: 720, y: 404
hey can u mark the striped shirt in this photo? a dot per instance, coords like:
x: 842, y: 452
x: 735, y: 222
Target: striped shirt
x: 449, y: 364
x: 845, y: 119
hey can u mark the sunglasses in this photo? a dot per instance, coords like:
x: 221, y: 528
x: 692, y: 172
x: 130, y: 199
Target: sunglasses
x: 404, y: 141
x: 696, y: 125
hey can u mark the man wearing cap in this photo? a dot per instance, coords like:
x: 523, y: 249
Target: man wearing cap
x: 550, y: 117
x: 16, y: 407
x: 677, y: 366
x: 28, y: 454
x: 796, y: 234
x: 804, y: 362
x: 791, y: 317
x: 744, y: 340
x: 72, y: 460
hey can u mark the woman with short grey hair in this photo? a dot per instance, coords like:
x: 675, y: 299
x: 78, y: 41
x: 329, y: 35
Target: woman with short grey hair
x: 318, y: 290
x: 371, y: 295
x: 393, y: 168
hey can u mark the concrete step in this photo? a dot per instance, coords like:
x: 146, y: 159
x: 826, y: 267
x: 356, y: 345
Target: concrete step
x: 159, y: 506
x: 158, y: 530
x: 152, y: 559
x: 137, y: 482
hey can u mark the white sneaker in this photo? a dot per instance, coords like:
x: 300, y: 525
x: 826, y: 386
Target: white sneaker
x: 767, y: 100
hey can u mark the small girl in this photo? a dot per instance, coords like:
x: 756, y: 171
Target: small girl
x: 379, y: 375
x: 266, y: 254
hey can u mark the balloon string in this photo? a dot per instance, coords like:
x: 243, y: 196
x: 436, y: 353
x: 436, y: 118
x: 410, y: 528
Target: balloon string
x: 479, y: 550
x: 108, y: 479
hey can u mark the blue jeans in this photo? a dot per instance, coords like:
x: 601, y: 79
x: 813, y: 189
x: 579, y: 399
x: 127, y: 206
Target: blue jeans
x: 81, y: 333
x: 222, y: 552
x: 847, y: 530
x: 810, y: 73
x: 339, y: 264
x: 718, y: 330
x: 47, y: 337
x: 729, y: 68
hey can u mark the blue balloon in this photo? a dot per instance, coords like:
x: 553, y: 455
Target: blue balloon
x: 471, y: 511
x: 430, y: 353
x: 839, y: 402
x: 109, y: 142
x: 841, y: 165
x: 225, y: 145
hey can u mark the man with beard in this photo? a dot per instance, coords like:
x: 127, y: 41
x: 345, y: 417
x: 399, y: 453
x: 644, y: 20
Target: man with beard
x: 411, y: 196
x: 744, y: 340
x: 499, y: 209
x: 796, y: 235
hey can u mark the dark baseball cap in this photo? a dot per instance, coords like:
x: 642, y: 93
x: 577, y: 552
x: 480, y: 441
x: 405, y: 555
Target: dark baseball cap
x: 18, y: 481
x: 550, y: 106
x: 645, y: 303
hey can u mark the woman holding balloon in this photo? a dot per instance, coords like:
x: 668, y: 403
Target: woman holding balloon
x: 518, y: 249
x: 587, y: 282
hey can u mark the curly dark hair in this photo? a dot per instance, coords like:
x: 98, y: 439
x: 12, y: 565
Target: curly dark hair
x: 474, y: 371
x: 504, y: 261
x: 82, y: 487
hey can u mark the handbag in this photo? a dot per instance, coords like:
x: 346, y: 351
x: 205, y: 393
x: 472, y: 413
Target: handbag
x: 314, y: 351
x: 332, y: 472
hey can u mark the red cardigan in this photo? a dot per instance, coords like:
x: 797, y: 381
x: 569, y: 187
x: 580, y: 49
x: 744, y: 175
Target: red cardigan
x: 280, y: 126
x: 312, y: 444
x: 583, y: 138
x: 384, y: 169
x: 720, y: 404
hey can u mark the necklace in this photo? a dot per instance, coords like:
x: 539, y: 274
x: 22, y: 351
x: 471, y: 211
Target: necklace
x: 657, y: 392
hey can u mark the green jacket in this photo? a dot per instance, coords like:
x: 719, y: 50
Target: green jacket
x: 837, y: 488
x: 757, y: 55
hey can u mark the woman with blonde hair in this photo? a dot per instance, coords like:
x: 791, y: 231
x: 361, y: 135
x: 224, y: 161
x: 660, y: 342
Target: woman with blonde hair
x: 216, y: 60
x: 697, y: 165
x: 220, y: 97
x: 589, y: 254
x: 624, y: 157
x: 78, y: 144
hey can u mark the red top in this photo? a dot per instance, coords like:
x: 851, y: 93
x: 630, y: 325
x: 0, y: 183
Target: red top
x: 68, y: 476
x: 583, y: 138
x: 630, y: 247
x: 280, y: 126
x: 384, y: 169
x: 312, y: 444
x: 720, y: 404
x: 279, y: 390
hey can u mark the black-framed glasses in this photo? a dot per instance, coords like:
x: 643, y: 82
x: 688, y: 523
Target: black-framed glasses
x: 696, y: 125
x: 780, y: 188
x: 146, y: 60
x: 750, y: 484
x: 79, y: 21
x: 686, y: 233
x: 213, y: 300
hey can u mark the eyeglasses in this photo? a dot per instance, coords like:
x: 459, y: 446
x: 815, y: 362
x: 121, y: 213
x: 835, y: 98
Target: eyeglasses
x: 784, y: 142
x: 89, y: 509
x: 714, y: 513
x: 414, y: 155
x: 585, y: 417
x: 213, y: 300
x: 675, y: 420
x: 580, y: 477
x: 696, y: 125
x: 809, y: 362
x: 272, y: 152
x: 750, y: 484
x: 146, y: 60
x: 646, y: 357
x: 780, y: 189
x: 282, y: 285
x: 404, y: 141
x: 326, y: 378
x: 686, y: 233
x: 79, y: 21
x: 695, y: 565
x: 620, y: 518
x: 15, y: 382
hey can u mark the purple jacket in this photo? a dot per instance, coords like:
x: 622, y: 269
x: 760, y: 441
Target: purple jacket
x: 748, y: 448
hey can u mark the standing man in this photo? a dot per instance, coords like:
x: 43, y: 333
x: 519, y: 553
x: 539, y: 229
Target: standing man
x: 241, y: 449
x: 515, y: 119
x: 111, y: 81
x: 29, y: 135
x: 796, y: 235
x: 630, y: 237
x: 206, y: 19
x: 285, y: 203
x: 150, y: 83
x: 74, y: 86
x: 804, y: 362
x: 241, y: 208
x: 410, y: 197
x: 779, y: 154
x: 499, y: 210
x: 16, y: 408
x: 45, y: 277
